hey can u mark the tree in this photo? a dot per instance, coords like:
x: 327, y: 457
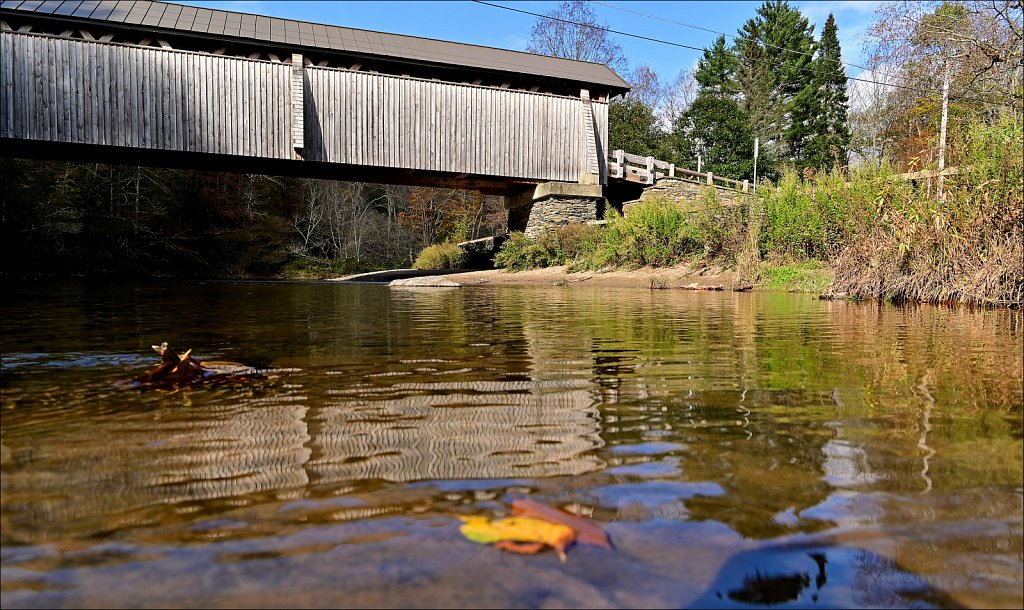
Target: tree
x: 775, y: 52
x: 645, y: 87
x: 964, y: 59
x: 678, y: 98
x: 633, y: 127
x: 633, y: 124
x: 716, y: 127
x: 573, y: 32
x: 716, y: 69
x: 830, y: 139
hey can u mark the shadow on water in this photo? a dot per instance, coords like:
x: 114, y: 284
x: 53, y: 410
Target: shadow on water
x: 822, y: 576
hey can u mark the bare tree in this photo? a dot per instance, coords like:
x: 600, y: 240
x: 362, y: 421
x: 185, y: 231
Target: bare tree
x: 573, y: 32
x: 678, y: 96
x: 646, y: 87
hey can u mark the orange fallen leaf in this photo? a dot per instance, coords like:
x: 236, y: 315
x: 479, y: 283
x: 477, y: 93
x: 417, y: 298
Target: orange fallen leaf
x: 586, y: 531
x: 523, y: 548
x: 518, y: 529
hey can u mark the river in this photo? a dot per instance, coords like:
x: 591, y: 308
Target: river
x: 740, y: 449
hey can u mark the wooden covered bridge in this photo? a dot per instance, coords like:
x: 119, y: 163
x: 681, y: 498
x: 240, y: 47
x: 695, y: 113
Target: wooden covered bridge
x: 152, y: 83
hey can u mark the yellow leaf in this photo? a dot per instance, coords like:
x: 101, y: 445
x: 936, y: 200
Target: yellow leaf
x: 518, y: 529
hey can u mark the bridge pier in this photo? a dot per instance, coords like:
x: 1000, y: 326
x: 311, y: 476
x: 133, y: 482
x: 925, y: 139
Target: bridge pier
x: 552, y: 205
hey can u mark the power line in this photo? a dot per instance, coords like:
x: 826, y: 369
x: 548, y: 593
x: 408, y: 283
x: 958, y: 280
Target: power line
x: 595, y: 27
x: 697, y: 27
x: 684, y: 46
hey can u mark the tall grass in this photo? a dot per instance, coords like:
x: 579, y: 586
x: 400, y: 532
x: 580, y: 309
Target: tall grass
x: 884, y: 237
x: 656, y: 233
x: 965, y: 248
x: 441, y: 256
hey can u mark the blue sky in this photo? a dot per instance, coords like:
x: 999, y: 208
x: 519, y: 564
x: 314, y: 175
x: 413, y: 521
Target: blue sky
x: 473, y: 23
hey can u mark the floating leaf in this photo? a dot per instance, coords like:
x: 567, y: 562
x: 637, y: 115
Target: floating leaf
x: 518, y: 529
x: 586, y: 531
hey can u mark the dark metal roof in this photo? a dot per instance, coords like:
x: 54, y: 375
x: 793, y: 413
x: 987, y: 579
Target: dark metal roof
x: 227, y: 24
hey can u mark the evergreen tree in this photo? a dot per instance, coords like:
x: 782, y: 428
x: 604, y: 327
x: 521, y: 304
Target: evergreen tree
x: 717, y: 68
x: 633, y: 127
x: 831, y: 139
x: 717, y: 128
x: 775, y: 55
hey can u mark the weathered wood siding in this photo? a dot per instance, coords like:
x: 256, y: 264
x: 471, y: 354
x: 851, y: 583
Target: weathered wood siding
x: 410, y: 123
x: 61, y: 90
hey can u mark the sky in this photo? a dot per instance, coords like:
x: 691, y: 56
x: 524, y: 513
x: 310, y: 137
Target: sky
x: 474, y: 23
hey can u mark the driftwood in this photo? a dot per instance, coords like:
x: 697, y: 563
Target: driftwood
x: 177, y: 370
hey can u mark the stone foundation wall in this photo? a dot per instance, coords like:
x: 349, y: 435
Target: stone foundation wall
x: 557, y: 212
x: 685, y: 191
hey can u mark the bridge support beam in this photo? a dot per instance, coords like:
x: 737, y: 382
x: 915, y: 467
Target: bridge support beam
x: 552, y: 205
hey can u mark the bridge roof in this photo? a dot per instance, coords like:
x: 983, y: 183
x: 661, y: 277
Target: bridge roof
x: 215, y: 23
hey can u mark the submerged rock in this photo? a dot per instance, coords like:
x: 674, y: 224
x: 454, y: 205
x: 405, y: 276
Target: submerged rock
x: 425, y: 282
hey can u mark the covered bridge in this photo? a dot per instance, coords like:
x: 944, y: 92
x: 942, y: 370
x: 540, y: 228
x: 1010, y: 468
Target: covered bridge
x: 152, y: 83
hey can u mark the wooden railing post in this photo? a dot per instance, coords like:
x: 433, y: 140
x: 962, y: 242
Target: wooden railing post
x: 745, y: 185
x: 711, y: 179
x: 620, y: 159
x: 672, y: 170
x: 650, y: 170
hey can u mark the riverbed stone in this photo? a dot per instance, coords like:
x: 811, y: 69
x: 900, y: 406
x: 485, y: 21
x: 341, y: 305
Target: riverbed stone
x: 425, y: 282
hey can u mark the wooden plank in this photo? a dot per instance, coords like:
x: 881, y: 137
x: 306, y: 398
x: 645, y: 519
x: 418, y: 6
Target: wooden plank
x: 80, y: 83
x: 60, y: 67
x: 7, y: 77
x: 146, y: 109
x: 167, y: 79
x: 50, y: 82
x: 245, y: 105
x: 280, y: 120
x: 205, y: 108
x: 217, y: 105
x: 389, y: 132
x: 177, y: 107
x: 372, y: 120
x: 352, y: 131
x: 89, y: 88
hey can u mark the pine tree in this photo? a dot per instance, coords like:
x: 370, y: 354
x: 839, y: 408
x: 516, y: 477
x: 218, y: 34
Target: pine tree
x: 831, y: 138
x: 775, y: 54
x: 716, y: 69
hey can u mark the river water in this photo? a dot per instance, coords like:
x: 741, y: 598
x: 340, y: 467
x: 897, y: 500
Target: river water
x: 740, y: 449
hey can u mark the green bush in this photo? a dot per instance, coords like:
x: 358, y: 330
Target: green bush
x: 655, y: 233
x: 718, y: 230
x: 563, y: 246
x: 441, y: 256
x: 520, y: 252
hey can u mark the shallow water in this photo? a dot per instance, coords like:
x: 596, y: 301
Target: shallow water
x: 740, y: 449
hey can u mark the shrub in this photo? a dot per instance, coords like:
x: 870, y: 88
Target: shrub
x: 563, y: 246
x: 718, y: 230
x: 441, y: 256
x: 655, y: 233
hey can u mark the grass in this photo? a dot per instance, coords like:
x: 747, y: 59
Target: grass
x: 797, y: 277
x: 307, y: 268
x: 866, y: 234
x: 441, y: 256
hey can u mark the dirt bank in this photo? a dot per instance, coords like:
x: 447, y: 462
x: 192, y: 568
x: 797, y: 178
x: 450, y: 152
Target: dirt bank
x: 704, y: 278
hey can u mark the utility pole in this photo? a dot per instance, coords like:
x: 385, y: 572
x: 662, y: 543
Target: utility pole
x: 942, y: 133
x: 755, y: 163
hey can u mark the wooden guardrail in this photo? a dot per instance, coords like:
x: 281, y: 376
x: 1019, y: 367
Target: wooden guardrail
x: 644, y: 170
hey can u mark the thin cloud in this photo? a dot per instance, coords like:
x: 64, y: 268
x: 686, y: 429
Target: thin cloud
x: 819, y: 11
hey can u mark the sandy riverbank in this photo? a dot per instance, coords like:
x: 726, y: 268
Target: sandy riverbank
x: 671, y: 277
